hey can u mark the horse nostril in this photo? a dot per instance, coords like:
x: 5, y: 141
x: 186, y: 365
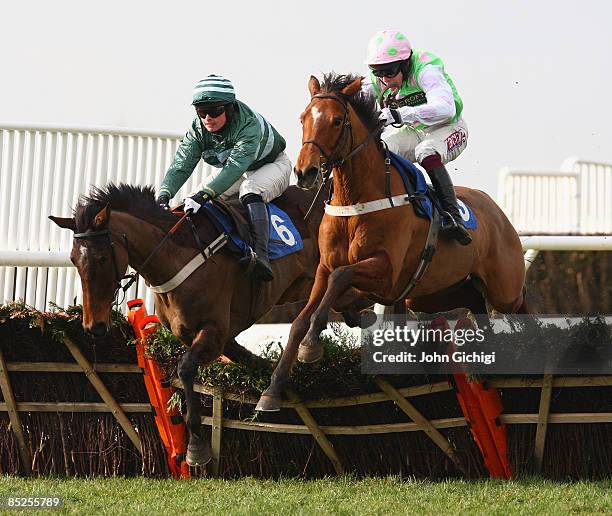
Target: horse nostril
x: 311, y: 173
x: 308, y: 178
x: 99, y: 330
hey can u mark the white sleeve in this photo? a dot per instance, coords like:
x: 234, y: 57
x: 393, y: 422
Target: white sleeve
x: 367, y: 88
x: 440, y: 105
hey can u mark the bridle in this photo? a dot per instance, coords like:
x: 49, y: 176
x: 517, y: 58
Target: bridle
x: 329, y: 161
x: 347, y: 129
x: 118, y: 277
x: 211, y: 249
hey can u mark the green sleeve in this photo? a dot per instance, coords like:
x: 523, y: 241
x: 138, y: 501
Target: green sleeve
x: 241, y: 157
x: 185, y: 160
x: 374, y: 84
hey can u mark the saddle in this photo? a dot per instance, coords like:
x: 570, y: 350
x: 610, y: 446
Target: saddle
x: 230, y: 217
x: 424, y: 198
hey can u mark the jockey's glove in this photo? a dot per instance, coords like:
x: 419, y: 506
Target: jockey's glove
x: 196, y: 201
x: 164, y: 202
x: 403, y: 115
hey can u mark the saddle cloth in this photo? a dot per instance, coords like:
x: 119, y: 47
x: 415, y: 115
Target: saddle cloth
x: 229, y: 217
x: 425, y: 195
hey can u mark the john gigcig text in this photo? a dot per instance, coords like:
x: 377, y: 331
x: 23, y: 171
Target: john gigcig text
x: 458, y: 357
x: 412, y: 336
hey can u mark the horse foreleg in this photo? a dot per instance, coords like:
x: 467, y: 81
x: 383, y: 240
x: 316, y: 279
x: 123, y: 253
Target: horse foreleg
x: 356, y: 309
x: 237, y: 353
x: 206, y: 346
x: 367, y: 275
x: 271, y: 398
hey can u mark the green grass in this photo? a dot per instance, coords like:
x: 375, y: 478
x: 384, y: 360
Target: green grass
x: 330, y: 496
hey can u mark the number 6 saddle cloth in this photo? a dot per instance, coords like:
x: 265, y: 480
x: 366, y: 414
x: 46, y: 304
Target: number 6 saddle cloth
x: 230, y: 217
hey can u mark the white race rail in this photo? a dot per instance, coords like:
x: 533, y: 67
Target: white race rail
x: 577, y: 199
x: 532, y: 245
x: 43, y: 170
x: 567, y: 243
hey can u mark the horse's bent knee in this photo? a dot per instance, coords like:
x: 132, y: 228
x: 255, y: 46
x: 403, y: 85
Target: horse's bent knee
x: 340, y: 275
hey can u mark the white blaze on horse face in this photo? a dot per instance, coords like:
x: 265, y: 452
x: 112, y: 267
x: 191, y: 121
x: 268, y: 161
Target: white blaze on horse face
x: 83, y: 252
x: 315, y: 113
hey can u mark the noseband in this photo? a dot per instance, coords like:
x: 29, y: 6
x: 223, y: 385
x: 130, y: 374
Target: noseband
x: 331, y: 162
x: 118, y: 277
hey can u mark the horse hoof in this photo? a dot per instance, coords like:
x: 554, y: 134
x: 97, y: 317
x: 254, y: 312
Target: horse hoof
x: 309, y: 353
x: 268, y: 404
x: 198, y: 454
x: 367, y: 318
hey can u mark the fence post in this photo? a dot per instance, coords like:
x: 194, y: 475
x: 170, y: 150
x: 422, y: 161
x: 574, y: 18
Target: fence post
x: 11, y: 406
x: 217, y: 427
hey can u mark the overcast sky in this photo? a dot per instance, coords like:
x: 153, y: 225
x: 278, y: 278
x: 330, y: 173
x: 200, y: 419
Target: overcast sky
x: 535, y: 76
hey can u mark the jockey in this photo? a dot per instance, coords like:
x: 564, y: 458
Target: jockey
x: 421, y: 101
x: 247, y: 152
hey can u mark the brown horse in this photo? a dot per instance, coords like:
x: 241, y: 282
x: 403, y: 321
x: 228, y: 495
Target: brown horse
x: 377, y: 253
x: 122, y: 225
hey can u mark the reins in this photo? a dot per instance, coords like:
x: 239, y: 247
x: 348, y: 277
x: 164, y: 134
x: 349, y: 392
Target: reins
x: 133, y: 277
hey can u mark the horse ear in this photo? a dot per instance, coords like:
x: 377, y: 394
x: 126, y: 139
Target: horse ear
x: 101, y: 220
x: 314, y: 86
x: 64, y: 222
x: 352, y: 88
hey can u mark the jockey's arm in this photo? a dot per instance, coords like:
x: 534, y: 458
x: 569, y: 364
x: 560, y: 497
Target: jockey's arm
x: 440, y: 106
x: 185, y: 160
x: 239, y: 160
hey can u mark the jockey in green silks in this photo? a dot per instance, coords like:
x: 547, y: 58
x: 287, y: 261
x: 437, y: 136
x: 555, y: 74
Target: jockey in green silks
x: 247, y: 153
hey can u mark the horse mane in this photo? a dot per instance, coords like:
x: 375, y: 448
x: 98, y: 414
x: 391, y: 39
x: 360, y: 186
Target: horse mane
x: 363, y: 101
x: 135, y: 200
x: 138, y: 201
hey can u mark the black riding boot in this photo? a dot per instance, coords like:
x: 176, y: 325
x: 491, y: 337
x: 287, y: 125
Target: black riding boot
x: 441, y: 181
x: 260, y: 229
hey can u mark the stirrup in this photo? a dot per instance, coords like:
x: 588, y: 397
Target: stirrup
x: 248, y: 261
x: 256, y: 268
x: 455, y: 230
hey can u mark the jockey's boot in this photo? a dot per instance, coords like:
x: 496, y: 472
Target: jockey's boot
x: 441, y: 181
x: 260, y: 229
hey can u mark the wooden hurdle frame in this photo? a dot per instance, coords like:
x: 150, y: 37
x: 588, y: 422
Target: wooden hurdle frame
x: 81, y: 365
x: 543, y: 418
x: 400, y: 396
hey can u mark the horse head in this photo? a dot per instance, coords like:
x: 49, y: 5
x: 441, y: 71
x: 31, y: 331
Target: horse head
x: 327, y: 132
x: 101, y: 259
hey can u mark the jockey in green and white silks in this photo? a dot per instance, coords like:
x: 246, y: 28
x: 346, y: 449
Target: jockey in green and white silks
x: 422, y: 110
x: 247, y: 151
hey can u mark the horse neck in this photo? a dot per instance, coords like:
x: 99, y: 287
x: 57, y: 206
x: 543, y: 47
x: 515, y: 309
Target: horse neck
x: 360, y: 178
x: 142, y: 238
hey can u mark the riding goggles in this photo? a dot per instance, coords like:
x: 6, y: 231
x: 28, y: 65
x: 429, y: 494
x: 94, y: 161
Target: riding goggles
x: 211, y: 111
x: 388, y: 71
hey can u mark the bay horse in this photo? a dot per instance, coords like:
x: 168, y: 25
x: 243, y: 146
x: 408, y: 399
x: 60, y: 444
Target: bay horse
x: 121, y: 225
x: 377, y: 253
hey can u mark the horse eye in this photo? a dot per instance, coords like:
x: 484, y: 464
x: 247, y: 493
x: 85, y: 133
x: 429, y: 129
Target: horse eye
x: 337, y: 122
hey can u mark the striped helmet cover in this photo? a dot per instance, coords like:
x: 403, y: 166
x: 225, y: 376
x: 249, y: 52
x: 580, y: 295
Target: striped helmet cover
x: 213, y: 88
